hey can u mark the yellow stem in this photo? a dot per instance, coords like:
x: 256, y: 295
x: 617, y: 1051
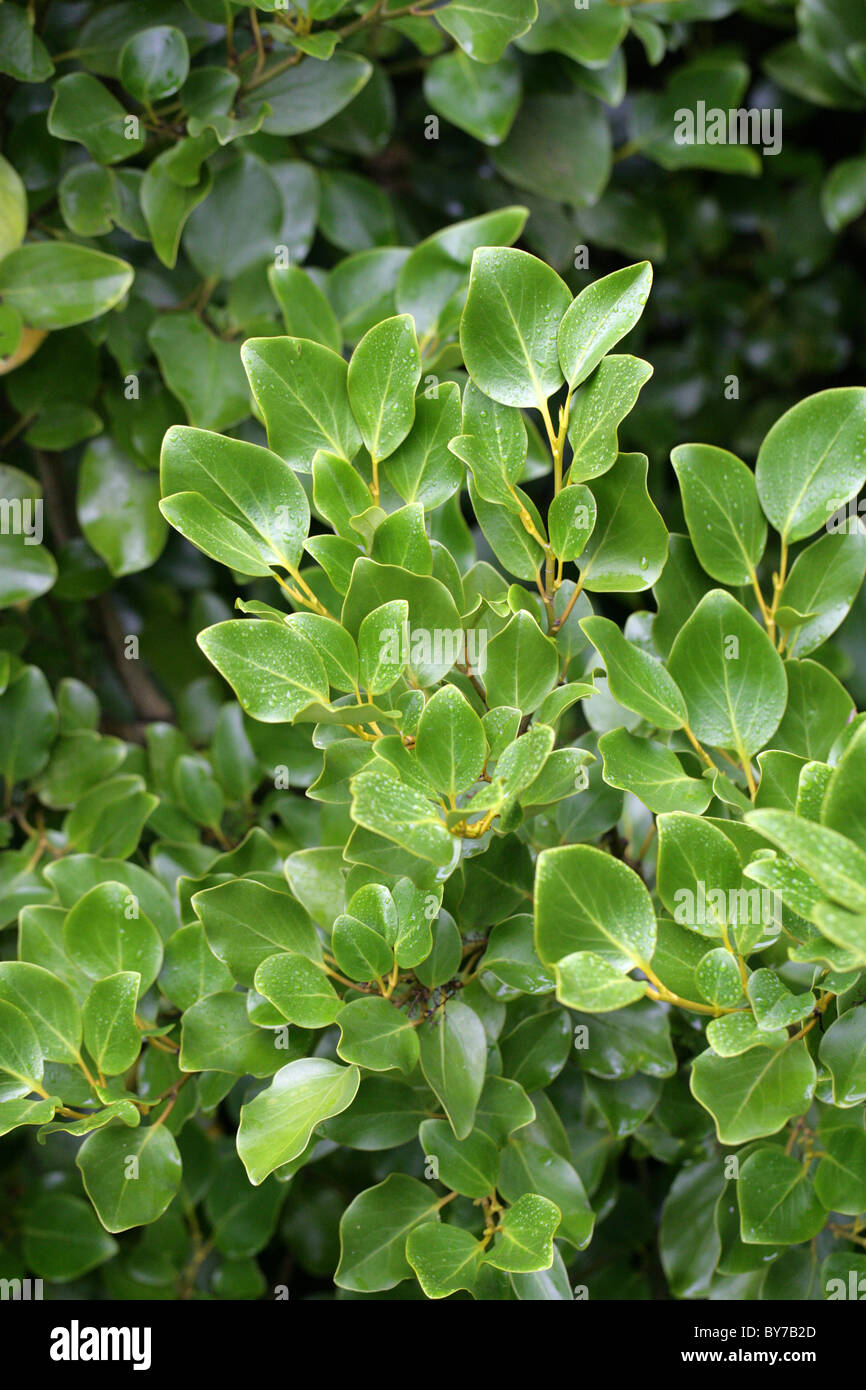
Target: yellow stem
x: 701, y: 751
x: 563, y: 617
x: 657, y: 990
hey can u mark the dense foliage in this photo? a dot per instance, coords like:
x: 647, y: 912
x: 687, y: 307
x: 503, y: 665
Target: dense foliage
x: 433, y: 803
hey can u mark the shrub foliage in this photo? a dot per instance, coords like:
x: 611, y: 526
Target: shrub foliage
x: 434, y: 824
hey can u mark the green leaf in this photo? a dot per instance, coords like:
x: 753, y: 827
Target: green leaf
x: 219, y: 239
x: 79, y: 761
x: 598, y: 407
x: 254, y: 488
x: 382, y: 377
x: 13, y: 206
x: 503, y: 1108
x: 652, y: 773
x: 217, y: 1035
x: 572, y: 173
x: 434, y: 278
x: 242, y: 1218
x: 718, y: 979
x: 26, y: 1111
x: 166, y: 205
x: 62, y: 1238
x: 385, y: 1113
x: 544, y: 1286
x: 88, y: 199
x: 509, y: 326
x: 24, y: 55
x: 482, y: 99
x: 522, y: 665
x: 130, y: 1176
x: 299, y: 989
x: 842, y: 808
x: 533, y: 1168
x: 274, y: 671
x: 304, y: 306
x: 450, y: 743
x: 118, y: 509
x: 840, y: 1178
x: 57, y: 284
x: 518, y: 552
x: 389, y: 808
x: 354, y: 214
x: 635, y: 1039
x: 444, y: 1258
x: 588, y: 982
x: 109, y: 819
x: 110, y: 1031
x: 689, y: 1244
x: 381, y: 646
x: 696, y: 861
x: 305, y: 96
x: 756, y: 1093
x: 587, y: 901
x: 190, y: 969
x: 154, y: 63
x: 361, y: 950
x: 774, y: 1005
x: 422, y: 469
x: 535, y: 1052
x: 663, y: 124
x: 511, y: 957
x: 843, y: 1052
x: 361, y: 288
x: 524, y: 1237
x: 778, y: 1205
x: 570, y: 520
x: 301, y: 390
x: 483, y: 31
x: 21, y: 1063
x: 413, y: 941
x: 28, y: 726
x: 106, y: 932
x: 83, y: 110
x: 628, y: 547
x: 49, y: 1005
x: 677, y: 592
x: 844, y: 929
x: 634, y: 678
x: 843, y: 193
x: 493, y: 446
x: 731, y: 676
x: 817, y: 711
x: 201, y: 370
x: 735, y: 1033
x: 26, y: 568
x: 600, y: 315
x: 831, y: 859
x: 246, y: 922
x: 454, y: 1061
x: 376, y: 1035
x: 813, y: 460
x: 841, y: 1273
x: 824, y: 581
x: 720, y: 502
x: 469, y: 1166
x: 590, y: 38
x: 373, y: 1231
x: 339, y: 493
x: 276, y: 1126
x: 401, y: 539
